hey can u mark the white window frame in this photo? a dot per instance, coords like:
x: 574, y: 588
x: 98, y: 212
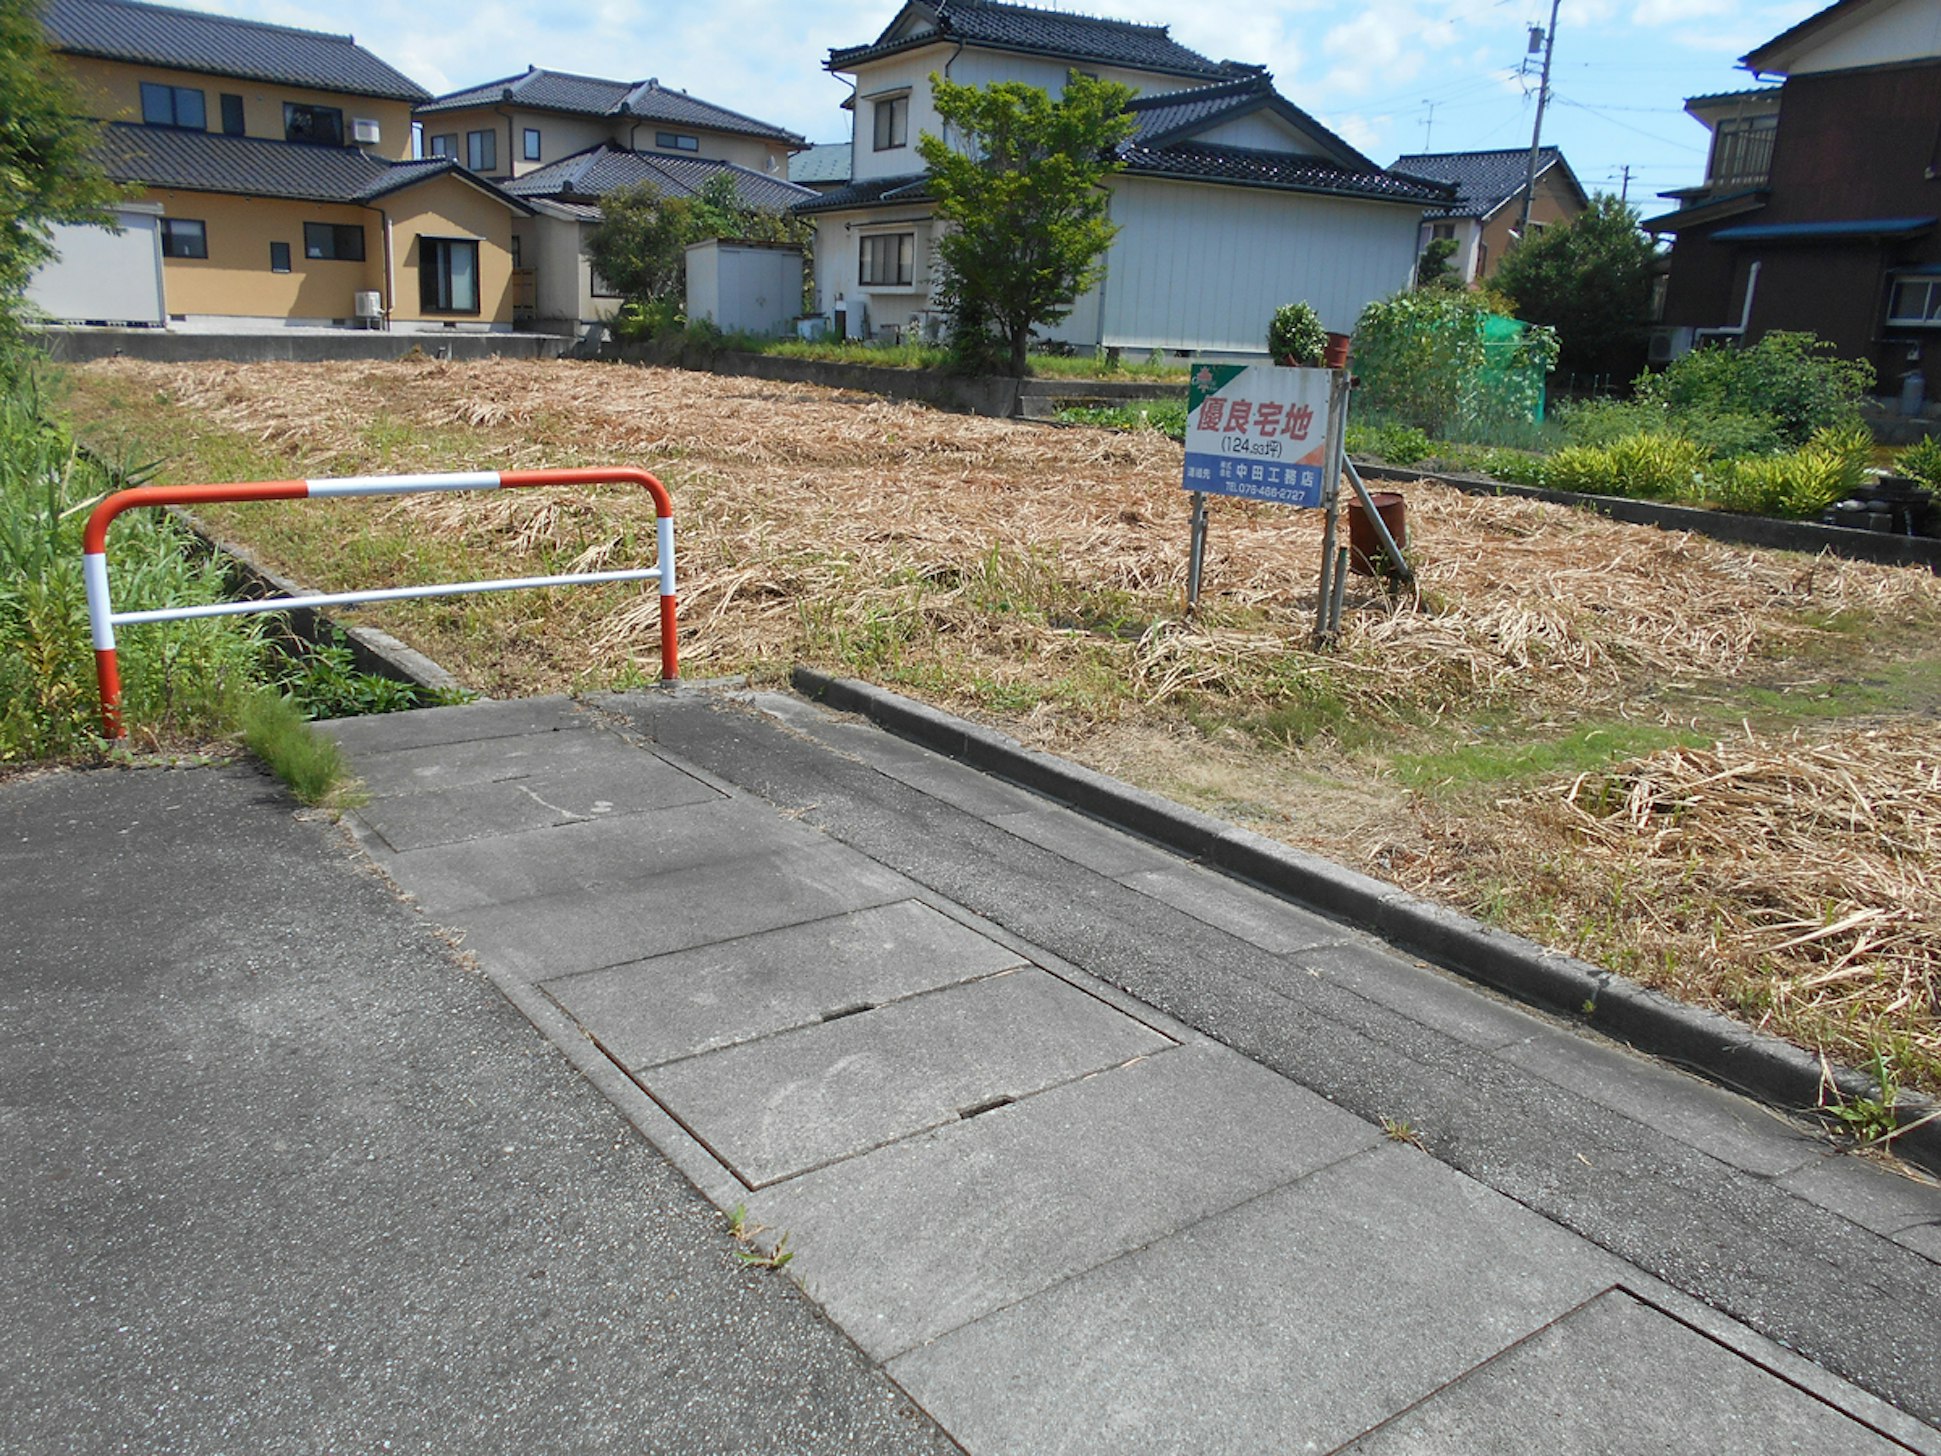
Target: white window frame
x: 1930, y: 315
x: 901, y: 256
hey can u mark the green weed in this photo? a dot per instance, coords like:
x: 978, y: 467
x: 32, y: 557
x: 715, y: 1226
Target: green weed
x: 311, y: 764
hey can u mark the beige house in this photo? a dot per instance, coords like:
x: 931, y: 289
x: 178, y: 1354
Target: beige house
x: 1483, y: 219
x: 275, y: 183
x: 561, y: 142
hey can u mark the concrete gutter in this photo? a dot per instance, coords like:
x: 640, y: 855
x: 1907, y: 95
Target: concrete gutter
x: 1705, y: 1042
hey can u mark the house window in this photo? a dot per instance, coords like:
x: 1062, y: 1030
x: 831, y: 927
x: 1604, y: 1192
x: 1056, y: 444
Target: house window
x: 445, y: 145
x: 342, y: 241
x: 887, y: 259
x: 1442, y: 230
x: 1742, y: 150
x: 184, y: 238
x: 279, y: 257
x: 448, y: 275
x: 532, y: 144
x: 182, y: 106
x: 482, y: 150
x: 677, y: 141
x: 1915, y: 300
x: 892, y: 122
x: 516, y: 252
x: 323, y: 125
x: 232, y: 115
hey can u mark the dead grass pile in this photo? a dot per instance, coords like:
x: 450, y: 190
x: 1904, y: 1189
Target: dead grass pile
x: 1790, y: 882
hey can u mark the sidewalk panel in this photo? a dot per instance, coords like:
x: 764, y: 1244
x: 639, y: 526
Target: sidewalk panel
x: 780, y: 1106
x: 921, y: 1237
x: 716, y: 995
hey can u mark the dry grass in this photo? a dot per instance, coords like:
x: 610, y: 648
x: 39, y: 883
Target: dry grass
x: 1033, y: 577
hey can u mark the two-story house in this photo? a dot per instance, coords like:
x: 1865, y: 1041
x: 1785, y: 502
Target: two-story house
x: 561, y: 142
x: 1231, y: 202
x: 1482, y: 221
x: 274, y: 182
x: 1821, y: 205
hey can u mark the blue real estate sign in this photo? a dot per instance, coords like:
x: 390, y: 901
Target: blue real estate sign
x: 1257, y: 431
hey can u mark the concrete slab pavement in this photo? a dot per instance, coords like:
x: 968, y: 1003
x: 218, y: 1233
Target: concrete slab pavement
x: 1085, y: 1144
x: 284, y: 1175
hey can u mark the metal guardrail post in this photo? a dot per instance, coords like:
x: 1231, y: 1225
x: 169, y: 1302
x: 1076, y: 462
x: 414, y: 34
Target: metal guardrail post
x: 103, y: 619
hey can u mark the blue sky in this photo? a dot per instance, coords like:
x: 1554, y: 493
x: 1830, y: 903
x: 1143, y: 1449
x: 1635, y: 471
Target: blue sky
x: 1393, y: 76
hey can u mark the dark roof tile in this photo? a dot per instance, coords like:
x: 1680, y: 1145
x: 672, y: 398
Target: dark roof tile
x: 189, y: 40
x: 589, y: 175
x: 1484, y: 181
x: 200, y: 161
x: 1284, y: 171
x: 590, y: 96
x: 1082, y: 38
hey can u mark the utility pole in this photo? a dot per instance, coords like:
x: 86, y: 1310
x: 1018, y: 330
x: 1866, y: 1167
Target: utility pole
x: 1428, y: 127
x: 1624, y: 192
x: 1536, y: 135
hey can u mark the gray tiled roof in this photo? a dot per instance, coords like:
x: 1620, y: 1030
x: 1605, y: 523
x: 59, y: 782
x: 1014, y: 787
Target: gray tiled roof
x: 189, y: 40
x: 1089, y: 39
x: 589, y: 175
x: 1285, y: 171
x: 1484, y: 181
x: 591, y: 96
x: 884, y: 190
x: 1171, y: 116
x: 820, y: 165
x: 201, y: 161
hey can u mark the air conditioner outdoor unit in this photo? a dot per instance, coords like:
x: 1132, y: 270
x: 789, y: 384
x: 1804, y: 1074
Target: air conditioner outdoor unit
x: 365, y: 132
x: 368, y: 305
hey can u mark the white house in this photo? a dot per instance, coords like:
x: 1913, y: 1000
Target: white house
x: 1232, y: 201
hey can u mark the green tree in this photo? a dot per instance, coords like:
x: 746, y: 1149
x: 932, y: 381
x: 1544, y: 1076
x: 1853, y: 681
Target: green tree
x: 1447, y: 362
x: 1024, y: 199
x: 1590, y: 280
x: 47, y: 174
x: 640, y: 247
x: 1433, y: 269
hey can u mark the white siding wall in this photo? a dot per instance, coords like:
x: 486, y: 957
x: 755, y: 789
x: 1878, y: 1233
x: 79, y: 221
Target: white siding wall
x: 967, y: 68
x: 1203, y: 267
x: 1261, y: 131
x: 838, y: 257
x: 1905, y: 32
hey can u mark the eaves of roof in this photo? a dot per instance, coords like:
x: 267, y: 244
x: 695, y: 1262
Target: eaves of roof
x: 587, y: 176
x: 200, y: 161
x: 573, y: 95
x: 876, y: 192
x: 1278, y: 171
x: 1082, y: 39
x: 1715, y: 209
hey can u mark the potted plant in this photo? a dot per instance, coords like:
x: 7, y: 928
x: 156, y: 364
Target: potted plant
x: 1295, y: 338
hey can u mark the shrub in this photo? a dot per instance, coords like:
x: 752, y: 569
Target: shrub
x: 1295, y: 335
x: 1443, y: 362
x: 1832, y: 466
x: 1922, y: 461
x: 1645, y: 467
x: 1390, y: 443
x: 1794, y: 379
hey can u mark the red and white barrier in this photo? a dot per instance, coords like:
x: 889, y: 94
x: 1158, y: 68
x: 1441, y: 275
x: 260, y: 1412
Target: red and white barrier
x: 103, y: 619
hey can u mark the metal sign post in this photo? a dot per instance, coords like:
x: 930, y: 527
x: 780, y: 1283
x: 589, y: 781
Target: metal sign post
x: 1196, y: 553
x: 1327, y: 609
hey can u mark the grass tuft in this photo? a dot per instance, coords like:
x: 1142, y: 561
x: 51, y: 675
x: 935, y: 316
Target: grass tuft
x: 311, y: 764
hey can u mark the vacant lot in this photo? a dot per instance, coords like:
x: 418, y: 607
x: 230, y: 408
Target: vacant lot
x: 1715, y: 769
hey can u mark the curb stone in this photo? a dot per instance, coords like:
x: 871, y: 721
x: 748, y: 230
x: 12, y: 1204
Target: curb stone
x: 1703, y: 1041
